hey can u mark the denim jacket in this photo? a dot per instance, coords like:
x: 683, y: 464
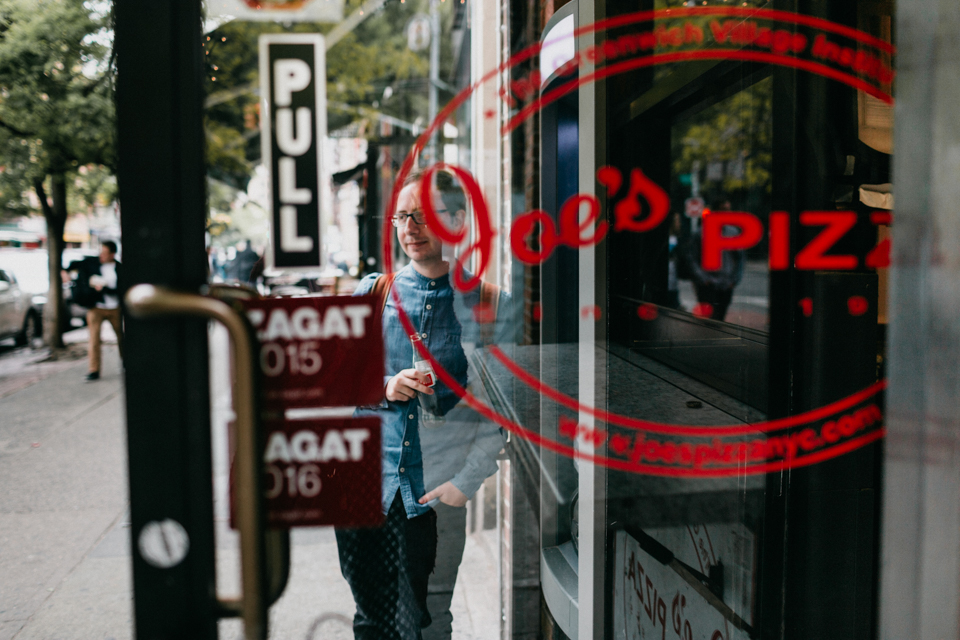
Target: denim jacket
x: 436, y: 313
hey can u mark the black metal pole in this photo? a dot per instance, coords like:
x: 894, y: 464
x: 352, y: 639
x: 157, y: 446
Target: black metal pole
x: 162, y: 193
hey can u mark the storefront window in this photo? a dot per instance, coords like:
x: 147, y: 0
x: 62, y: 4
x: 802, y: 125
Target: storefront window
x: 661, y: 230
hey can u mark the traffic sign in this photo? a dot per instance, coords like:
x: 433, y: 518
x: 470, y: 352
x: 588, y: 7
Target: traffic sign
x: 418, y: 32
x: 293, y: 94
x: 319, y: 351
x: 273, y: 10
x: 694, y: 206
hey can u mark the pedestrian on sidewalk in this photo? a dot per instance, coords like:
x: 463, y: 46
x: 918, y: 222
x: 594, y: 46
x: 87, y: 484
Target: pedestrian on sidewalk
x: 98, y: 288
x: 388, y: 568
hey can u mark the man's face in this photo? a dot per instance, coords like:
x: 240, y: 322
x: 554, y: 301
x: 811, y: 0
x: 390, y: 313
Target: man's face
x: 417, y: 240
x: 106, y: 256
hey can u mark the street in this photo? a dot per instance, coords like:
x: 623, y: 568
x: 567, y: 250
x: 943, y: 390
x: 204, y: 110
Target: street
x: 64, y: 530
x: 751, y: 297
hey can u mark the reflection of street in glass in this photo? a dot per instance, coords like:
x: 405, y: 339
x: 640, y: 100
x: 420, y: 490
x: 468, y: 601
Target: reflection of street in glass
x: 749, y: 306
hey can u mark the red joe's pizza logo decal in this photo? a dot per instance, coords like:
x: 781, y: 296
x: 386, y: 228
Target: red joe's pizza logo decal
x: 637, y: 204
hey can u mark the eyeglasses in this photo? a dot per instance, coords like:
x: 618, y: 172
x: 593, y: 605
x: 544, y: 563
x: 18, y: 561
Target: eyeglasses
x: 400, y: 219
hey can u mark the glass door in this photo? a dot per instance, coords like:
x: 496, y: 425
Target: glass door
x: 233, y: 192
x: 637, y: 249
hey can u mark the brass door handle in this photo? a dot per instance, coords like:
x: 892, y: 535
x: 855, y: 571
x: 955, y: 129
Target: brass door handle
x: 146, y: 301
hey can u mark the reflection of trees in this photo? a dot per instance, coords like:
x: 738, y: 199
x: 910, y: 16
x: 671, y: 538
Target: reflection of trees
x: 371, y: 67
x: 730, y: 143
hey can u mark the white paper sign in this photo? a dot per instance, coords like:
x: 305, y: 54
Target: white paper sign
x: 277, y: 10
x: 652, y: 601
x: 418, y: 33
x: 705, y: 545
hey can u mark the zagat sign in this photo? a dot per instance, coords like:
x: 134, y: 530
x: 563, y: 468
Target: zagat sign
x: 293, y: 125
x: 318, y: 351
x: 322, y: 472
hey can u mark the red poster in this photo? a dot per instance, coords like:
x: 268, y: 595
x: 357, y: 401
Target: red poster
x: 322, y: 472
x: 319, y: 351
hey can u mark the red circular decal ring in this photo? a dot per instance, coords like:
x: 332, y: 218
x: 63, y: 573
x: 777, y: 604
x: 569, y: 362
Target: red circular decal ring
x: 645, y: 39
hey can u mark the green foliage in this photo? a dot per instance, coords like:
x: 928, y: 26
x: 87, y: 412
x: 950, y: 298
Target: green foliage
x: 359, y: 67
x: 220, y: 196
x: 227, y: 152
x: 16, y: 173
x: 373, y: 55
x: 56, y: 94
x: 94, y: 186
x: 739, y: 128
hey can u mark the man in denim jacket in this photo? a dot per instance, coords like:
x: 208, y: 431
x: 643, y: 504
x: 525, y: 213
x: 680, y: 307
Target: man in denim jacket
x: 388, y: 568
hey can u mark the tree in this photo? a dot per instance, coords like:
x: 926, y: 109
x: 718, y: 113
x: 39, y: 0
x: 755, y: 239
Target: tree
x: 359, y: 67
x: 735, y: 135
x: 56, y: 114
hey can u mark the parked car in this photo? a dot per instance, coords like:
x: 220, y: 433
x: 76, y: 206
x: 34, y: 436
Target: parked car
x: 30, y: 267
x: 20, y: 318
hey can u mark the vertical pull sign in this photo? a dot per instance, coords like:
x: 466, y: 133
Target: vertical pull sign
x: 293, y: 125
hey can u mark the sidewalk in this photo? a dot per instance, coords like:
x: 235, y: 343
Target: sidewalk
x: 63, y: 500
x: 64, y: 530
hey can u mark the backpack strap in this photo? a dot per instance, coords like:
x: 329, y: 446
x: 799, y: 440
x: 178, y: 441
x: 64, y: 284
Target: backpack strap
x: 381, y: 288
x: 489, y: 303
x: 490, y: 299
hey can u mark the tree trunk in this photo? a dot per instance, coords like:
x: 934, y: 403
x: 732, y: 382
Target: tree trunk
x: 55, y: 311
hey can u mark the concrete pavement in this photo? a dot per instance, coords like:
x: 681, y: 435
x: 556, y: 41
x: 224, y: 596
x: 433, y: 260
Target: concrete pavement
x: 64, y: 534
x: 63, y: 570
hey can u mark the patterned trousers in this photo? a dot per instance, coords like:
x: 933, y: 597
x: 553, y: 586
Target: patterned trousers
x: 451, y: 539
x: 387, y: 569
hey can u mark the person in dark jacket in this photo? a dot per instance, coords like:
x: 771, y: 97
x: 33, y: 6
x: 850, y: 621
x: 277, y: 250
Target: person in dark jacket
x: 243, y: 267
x: 98, y: 288
x: 714, y: 288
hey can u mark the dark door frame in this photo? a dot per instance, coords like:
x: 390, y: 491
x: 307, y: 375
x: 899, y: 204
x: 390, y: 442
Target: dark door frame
x: 162, y: 191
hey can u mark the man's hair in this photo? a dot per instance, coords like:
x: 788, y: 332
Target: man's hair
x: 110, y: 244
x: 454, y: 199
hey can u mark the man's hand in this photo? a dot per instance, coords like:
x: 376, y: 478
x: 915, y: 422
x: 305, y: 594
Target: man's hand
x: 448, y: 495
x: 404, y: 385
